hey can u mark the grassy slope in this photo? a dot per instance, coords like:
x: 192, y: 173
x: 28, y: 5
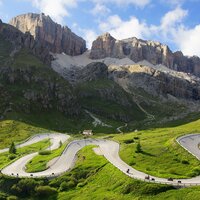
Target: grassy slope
x: 108, y: 106
x: 16, y: 131
x: 39, y: 163
x: 5, y: 157
x: 162, y: 155
x: 94, y: 178
x: 101, y: 181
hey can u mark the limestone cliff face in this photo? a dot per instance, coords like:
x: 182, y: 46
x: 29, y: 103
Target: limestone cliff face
x: 57, y: 38
x: 157, y: 83
x: 138, y: 50
x: 20, y: 40
x: 55, y: 93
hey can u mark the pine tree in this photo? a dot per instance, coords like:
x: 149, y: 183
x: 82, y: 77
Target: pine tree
x: 12, y: 148
x: 60, y: 143
x: 138, y: 148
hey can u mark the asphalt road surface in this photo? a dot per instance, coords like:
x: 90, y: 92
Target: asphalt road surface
x: 110, y: 151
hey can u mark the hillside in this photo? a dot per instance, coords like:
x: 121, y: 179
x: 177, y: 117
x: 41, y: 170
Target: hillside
x: 137, y: 94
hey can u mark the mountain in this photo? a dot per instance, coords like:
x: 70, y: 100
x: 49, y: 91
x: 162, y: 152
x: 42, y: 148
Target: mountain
x: 138, y: 50
x: 18, y: 40
x: 129, y: 81
x: 58, y: 39
x: 30, y: 89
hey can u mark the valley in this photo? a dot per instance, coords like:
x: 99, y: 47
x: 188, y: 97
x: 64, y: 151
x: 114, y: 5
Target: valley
x: 140, y: 100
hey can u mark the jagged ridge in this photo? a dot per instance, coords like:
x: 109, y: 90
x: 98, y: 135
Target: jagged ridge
x: 57, y: 38
x: 138, y: 50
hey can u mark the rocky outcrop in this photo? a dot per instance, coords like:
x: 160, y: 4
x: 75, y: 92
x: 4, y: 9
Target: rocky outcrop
x: 103, y: 47
x: 37, y: 90
x: 138, y: 50
x: 157, y: 83
x: 20, y: 40
x: 92, y: 72
x: 58, y: 39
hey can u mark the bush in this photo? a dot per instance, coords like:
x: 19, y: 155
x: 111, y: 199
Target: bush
x: 45, y: 191
x: 138, y: 148
x: 12, y: 198
x: 136, y: 138
x: 186, y: 162
x: 25, y: 187
x: 82, y: 184
x: 12, y: 157
x: 12, y: 148
x: 196, y: 171
x: 46, y: 152
x: 63, y: 186
x: 129, y: 141
x: 3, y: 196
x: 154, y: 189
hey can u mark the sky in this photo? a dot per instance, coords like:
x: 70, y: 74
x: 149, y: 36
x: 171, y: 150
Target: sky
x: 172, y: 22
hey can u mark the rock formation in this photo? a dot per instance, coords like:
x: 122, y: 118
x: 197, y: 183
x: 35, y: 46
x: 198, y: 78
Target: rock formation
x: 20, y: 40
x: 50, y: 34
x: 138, y: 50
x: 55, y: 93
x: 157, y: 83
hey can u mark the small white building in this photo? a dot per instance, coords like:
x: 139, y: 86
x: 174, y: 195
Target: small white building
x: 87, y: 132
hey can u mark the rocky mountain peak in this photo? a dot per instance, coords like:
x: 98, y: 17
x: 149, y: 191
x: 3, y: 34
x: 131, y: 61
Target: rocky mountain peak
x: 103, y: 46
x: 106, y: 36
x: 138, y: 50
x: 58, y: 39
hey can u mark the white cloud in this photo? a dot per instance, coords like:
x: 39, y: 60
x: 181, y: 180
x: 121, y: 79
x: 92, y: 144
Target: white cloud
x: 56, y: 9
x: 89, y: 35
x: 100, y: 9
x: 123, y: 29
x: 173, y: 17
x: 174, y: 2
x: 170, y: 30
x: 188, y: 40
x: 138, y: 3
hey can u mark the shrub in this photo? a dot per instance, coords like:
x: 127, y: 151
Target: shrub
x: 128, y: 141
x: 46, y: 152
x: 186, y: 162
x: 196, y: 171
x: 138, y: 148
x: 71, y: 184
x: 3, y: 196
x: 173, y: 170
x: 63, y: 186
x: 45, y: 191
x: 82, y: 184
x: 12, y: 157
x: 12, y: 198
x: 154, y: 189
x: 12, y: 148
x: 24, y: 187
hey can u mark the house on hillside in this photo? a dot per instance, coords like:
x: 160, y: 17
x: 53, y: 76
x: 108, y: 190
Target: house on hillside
x: 87, y: 132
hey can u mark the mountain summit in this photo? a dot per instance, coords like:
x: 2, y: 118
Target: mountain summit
x: 138, y: 50
x: 58, y: 39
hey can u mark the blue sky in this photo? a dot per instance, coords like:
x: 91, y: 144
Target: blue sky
x: 172, y: 22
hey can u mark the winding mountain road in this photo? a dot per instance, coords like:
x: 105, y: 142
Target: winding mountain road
x: 109, y: 149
